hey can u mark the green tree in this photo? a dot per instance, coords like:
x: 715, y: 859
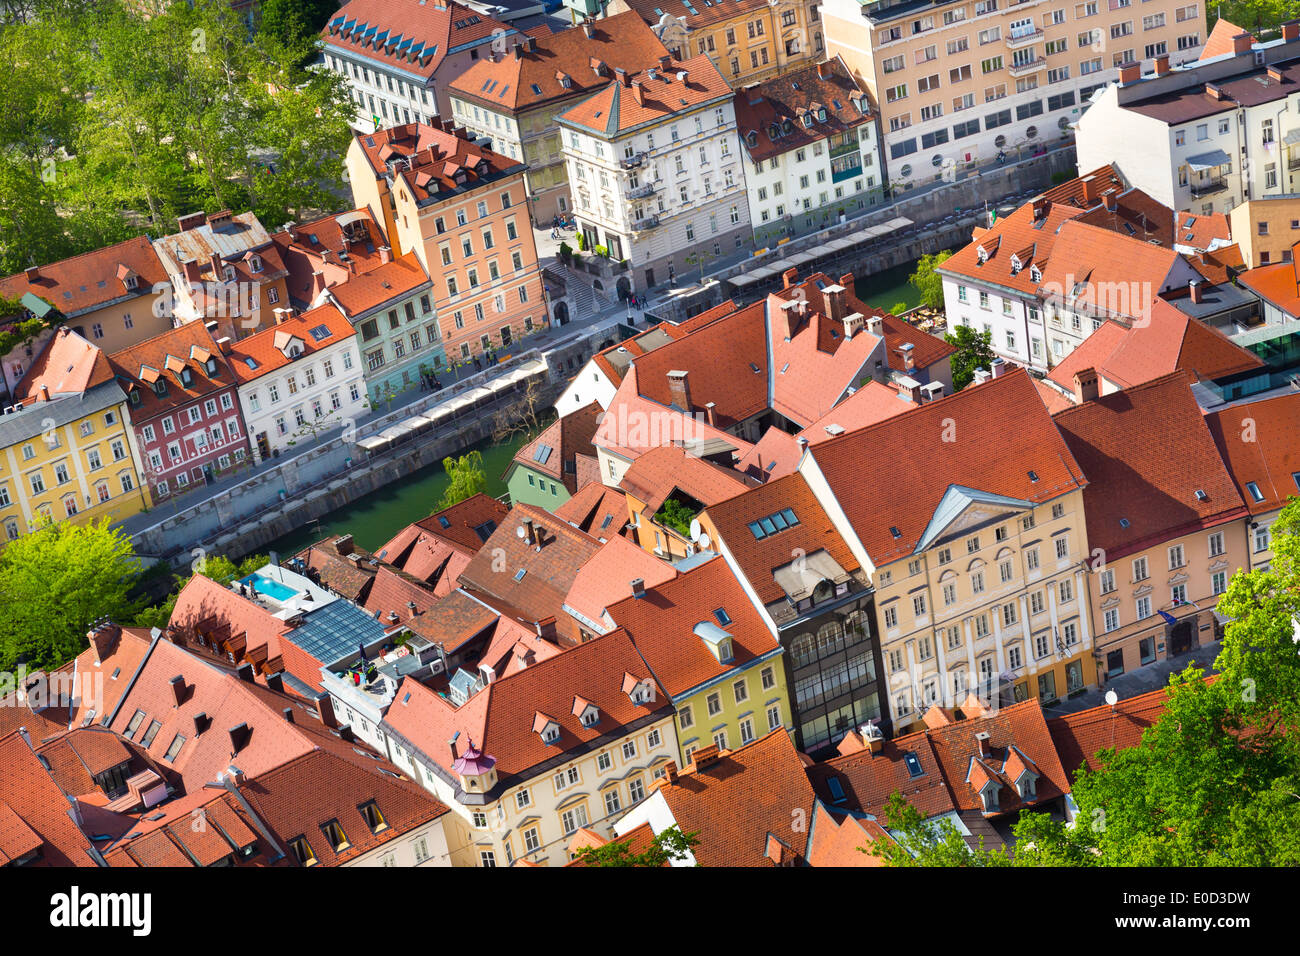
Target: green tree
x: 1255, y: 16
x: 55, y: 582
x: 927, y: 281
x: 922, y: 842
x: 974, y: 350
x: 899, y: 308
x: 676, y: 515
x: 217, y: 567
x: 467, y: 478
x: 667, y: 847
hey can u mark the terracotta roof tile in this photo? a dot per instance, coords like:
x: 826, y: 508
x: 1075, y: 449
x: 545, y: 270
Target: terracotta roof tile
x: 35, y: 807
x: 257, y: 355
x: 439, y: 158
x: 900, y: 453
x: 1219, y: 41
x: 663, y: 625
x: 616, y: 108
x: 189, y: 346
x: 92, y: 280
x: 1271, y: 461
x: 782, y: 102
x: 1079, y: 736
x: 737, y: 803
x: 840, y: 841
x: 596, y: 509
x: 660, y: 472
x: 66, y: 365
x: 383, y: 284
x: 378, y: 29
x: 605, y: 579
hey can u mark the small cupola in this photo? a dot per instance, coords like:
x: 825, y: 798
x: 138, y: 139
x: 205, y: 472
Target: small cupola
x: 476, y: 769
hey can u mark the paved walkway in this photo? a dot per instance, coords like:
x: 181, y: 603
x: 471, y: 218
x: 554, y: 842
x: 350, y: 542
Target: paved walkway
x: 1138, y: 682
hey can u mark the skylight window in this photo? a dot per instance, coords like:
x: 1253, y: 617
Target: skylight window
x: 444, y: 522
x: 778, y: 521
x: 1033, y: 476
x: 1255, y: 492
x: 537, y: 90
x: 722, y: 617
x: 321, y: 332
x: 1295, y: 476
x: 895, y: 532
x: 913, y: 765
x: 519, y: 575
x: 836, y: 789
x: 1123, y: 522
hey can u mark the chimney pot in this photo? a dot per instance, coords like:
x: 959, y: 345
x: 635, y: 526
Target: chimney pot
x: 33, y: 273
x: 638, y: 587
x: 1085, y: 385
x: 1129, y: 73
x: 1162, y: 64
x: 679, y: 389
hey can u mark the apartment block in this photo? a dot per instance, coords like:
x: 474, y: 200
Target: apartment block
x: 461, y: 209
x: 1165, y: 539
x: 811, y: 150
x: 1208, y: 136
x: 512, y: 98
x: 654, y: 168
x: 400, y: 56
x: 978, y: 560
x: 1266, y: 229
x: 960, y: 83
x: 749, y: 41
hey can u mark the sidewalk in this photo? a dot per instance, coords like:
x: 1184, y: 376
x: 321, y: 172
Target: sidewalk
x: 1152, y: 677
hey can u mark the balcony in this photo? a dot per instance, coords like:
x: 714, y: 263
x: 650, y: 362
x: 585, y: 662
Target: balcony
x: 649, y: 222
x: 1016, y: 40
x: 1209, y: 187
x: 640, y: 192
x: 1024, y: 69
x: 632, y: 162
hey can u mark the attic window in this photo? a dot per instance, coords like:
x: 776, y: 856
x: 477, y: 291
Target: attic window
x: 895, y: 532
x: 1026, y: 787
x: 1254, y: 490
x: 444, y: 522
x: 550, y: 734
x: 302, y: 851
x: 537, y: 90
x: 982, y: 255
x: 913, y: 765
x: 374, y: 818
x: 1036, y: 274
x: 837, y: 791
x: 753, y: 367
x: 1201, y: 495
x: 519, y: 575
x: 255, y: 263
x: 1123, y: 522
x: 722, y: 617
x: 1033, y: 476
x: 338, y: 840
x: 590, y: 717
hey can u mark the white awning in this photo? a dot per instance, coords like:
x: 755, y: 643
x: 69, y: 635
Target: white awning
x: 373, y: 443
x: 1211, y: 160
x: 1291, y: 138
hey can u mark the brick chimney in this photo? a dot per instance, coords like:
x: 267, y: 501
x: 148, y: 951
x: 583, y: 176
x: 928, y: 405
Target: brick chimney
x: 192, y: 221
x: 103, y: 638
x: 638, y: 587
x: 191, y: 270
x: 1194, y: 290
x: 177, y: 685
x: 1085, y: 385
x: 705, y: 757
x: 589, y: 28
x: 33, y: 273
x: 1129, y: 73
x: 1110, y: 201
x: 1291, y: 31
x: 638, y: 92
x: 288, y: 714
x: 833, y: 302
x: 454, y: 746
x: 385, y: 254
x: 623, y: 78
x: 670, y: 772
x: 710, y: 414
x: 343, y: 545
x: 664, y: 61
x: 846, y: 280
x: 679, y: 389
x: 997, y: 367
x: 982, y: 741
x: 530, y: 533
x: 223, y: 343
x: 789, y: 277
x: 1241, y: 43
x: 909, y: 360
x: 1162, y: 64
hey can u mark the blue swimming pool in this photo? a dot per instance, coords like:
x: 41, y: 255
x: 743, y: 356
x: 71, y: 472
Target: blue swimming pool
x: 269, y: 587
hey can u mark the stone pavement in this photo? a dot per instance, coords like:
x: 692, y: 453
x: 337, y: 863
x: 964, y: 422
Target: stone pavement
x: 1141, y: 681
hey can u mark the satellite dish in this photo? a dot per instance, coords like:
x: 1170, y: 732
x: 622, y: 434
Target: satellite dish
x: 520, y: 532
x: 1112, y: 698
x: 695, y: 529
x: 703, y: 541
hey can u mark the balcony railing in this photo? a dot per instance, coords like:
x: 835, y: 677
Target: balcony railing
x: 632, y: 162
x: 640, y: 192
x: 1024, y: 69
x: 1209, y: 187
x: 649, y: 222
x: 1017, y: 40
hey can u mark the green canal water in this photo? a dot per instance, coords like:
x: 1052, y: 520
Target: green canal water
x: 886, y: 289
x: 374, y: 519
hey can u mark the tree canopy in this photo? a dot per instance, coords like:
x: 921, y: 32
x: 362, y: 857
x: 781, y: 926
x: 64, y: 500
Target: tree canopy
x: 667, y: 846
x: 55, y: 582
x: 215, y: 566
x: 928, y: 282
x: 116, y: 124
x: 466, y: 478
x: 974, y: 350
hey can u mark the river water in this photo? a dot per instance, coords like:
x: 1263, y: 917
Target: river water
x: 375, y: 518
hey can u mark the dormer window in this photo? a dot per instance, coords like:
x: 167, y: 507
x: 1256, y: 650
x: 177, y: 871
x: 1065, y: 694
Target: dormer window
x: 1036, y: 274
x: 1026, y: 786
x: 590, y: 717
x: 374, y: 818
x: 211, y: 366
x: 807, y: 119
x: 1015, y: 265
x: 551, y: 734
x: 547, y: 728
x: 131, y: 282
x: 982, y: 255
x: 229, y: 273
x: 338, y: 840
x: 187, y: 377
x: 989, y: 797
x: 639, y: 691
x: 255, y: 263
x: 159, y: 387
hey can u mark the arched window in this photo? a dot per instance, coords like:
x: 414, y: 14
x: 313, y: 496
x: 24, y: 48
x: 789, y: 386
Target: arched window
x: 802, y: 650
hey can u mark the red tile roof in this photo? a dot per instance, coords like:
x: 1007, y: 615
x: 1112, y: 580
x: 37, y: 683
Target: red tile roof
x: 436, y: 28
x: 614, y: 360
x: 1147, y: 452
x: 694, y: 16
x: 758, y: 558
x: 739, y: 803
x: 67, y: 365
x: 92, y: 280
x: 523, y: 78
x: 663, y: 624
x: 1219, y: 42
x: 840, y: 841
x: 566, y: 438
x: 1115, y: 269
x: 782, y: 103
x: 393, y: 592
x: 1079, y: 736
x: 900, y: 453
x: 534, y: 580
x: 499, y: 719
x: 267, y: 349
x: 1169, y: 341
x: 34, y: 811
x: 381, y: 285
x: 1270, y: 459
x: 1198, y: 230
x: 189, y: 346
x: 457, y: 526
x: 319, y: 245
x: 455, y: 620
x: 439, y: 158
x: 596, y: 509
x: 211, y: 611
x: 660, y: 472
x: 866, y: 780
x: 1278, y: 284
x: 606, y: 579
x: 616, y: 109
x: 303, y: 794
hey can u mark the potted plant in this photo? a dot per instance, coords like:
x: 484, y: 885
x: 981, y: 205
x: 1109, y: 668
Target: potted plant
x: 566, y: 252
